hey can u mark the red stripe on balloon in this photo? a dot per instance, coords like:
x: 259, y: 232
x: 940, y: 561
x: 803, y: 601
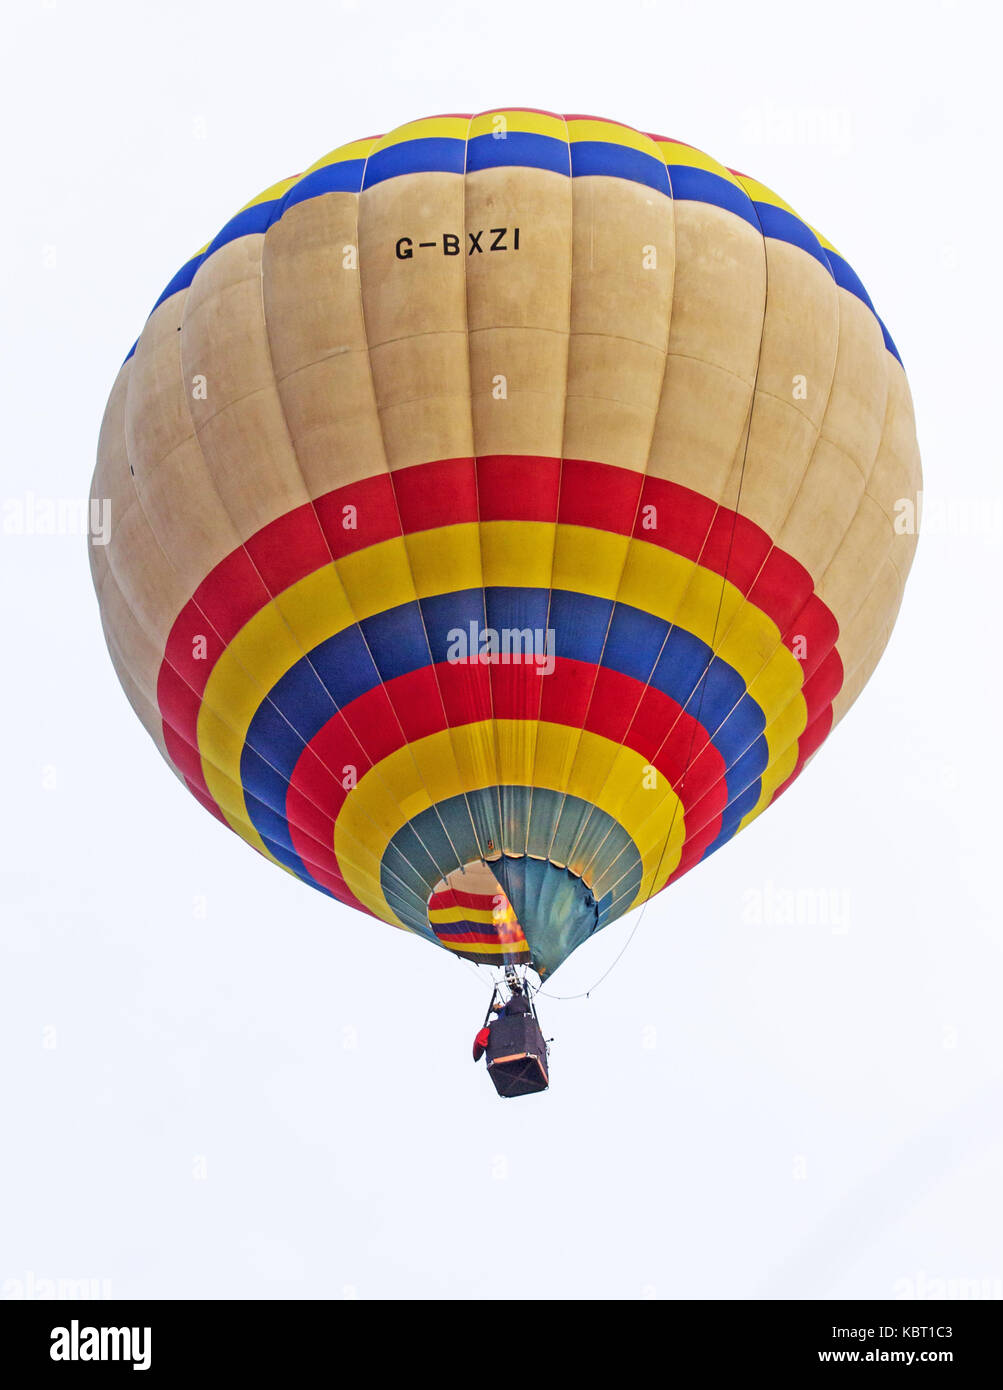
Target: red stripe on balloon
x: 453, y: 897
x: 436, y: 494
x: 821, y: 688
x: 359, y: 515
x: 517, y: 487
x: 479, y: 938
x: 292, y: 546
x: 667, y: 140
x: 206, y: 801
x: 496, y: 487
x: 809, y: 742
x: 369, y: 720
x: 599, y: 496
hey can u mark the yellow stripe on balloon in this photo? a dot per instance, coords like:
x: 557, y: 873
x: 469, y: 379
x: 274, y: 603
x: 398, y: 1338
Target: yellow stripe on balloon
x: 444, y: 568
x: 258, y: 656
x: 227, y: 792
x: 273, y: 192
x: 517, y: 554
x: 487, y: 948
x: 588, y: 561
x: 357, y: 149
x: 377, y: 578
x: 443, y: 916
x: 605, y: 774
x: 759, y: 193
x: 674, y: 152
x: 433, y: 127
x: 519, y: 122
x: 772, y: 780
x: 823, y: 241
x: 675, y: 589
x: 610, y: 133
x: 782, y: 736
x: 380, y: 577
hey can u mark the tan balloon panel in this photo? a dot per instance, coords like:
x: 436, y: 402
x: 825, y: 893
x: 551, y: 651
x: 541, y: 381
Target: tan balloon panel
x: 542, y: 369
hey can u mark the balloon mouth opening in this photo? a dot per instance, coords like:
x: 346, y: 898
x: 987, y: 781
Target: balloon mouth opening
x: 512, y: 910
x: 471, y: 914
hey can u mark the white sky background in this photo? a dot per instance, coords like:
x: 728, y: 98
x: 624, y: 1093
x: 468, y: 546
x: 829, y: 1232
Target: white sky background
x: 821, y: 1112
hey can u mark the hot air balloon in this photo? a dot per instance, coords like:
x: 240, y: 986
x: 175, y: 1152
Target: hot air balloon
x: 503, y: 511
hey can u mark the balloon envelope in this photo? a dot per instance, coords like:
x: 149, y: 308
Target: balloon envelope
x: 503, y: 511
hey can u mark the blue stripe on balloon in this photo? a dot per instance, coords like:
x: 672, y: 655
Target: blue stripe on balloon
x: 619, y: 162
x: 344, y: 665
x: 530, y: 150
x: 578, y: 621
x: 397, y: 640
x: 344, y: 176
x: 785, y: 226
x: 433, y: 154
x: 182, y: 279
x: 888, y: 342
x: 524, y: 149
x: 273, y: 828
x: 393, y: 643
x: 702, y: 186
x: 848, y: 279
x: 732, y: 817
x: 254, y: 219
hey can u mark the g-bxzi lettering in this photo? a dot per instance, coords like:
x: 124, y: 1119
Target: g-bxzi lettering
x: 502, y: 239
